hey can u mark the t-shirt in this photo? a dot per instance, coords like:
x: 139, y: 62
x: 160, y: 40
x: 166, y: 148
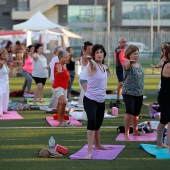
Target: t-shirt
x: 133, y: 81
x: 61, y: 79
x: 120, y: 57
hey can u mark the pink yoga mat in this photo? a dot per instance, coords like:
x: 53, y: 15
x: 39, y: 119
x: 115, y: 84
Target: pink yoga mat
x: 11, y: 115
x: 150, y: 137
x: 53, y: 122
x: 99, y: 154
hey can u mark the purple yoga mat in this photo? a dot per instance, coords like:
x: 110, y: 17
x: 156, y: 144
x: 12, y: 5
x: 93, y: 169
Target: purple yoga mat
x: 99, y: 154
x: 11, y: 115
x: 53, y: 122
x: 149, y: 137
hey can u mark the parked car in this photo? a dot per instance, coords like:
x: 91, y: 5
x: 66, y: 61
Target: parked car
x: 144, y: 51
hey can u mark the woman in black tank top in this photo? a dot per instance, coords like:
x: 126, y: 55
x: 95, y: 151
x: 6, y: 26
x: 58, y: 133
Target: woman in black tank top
x: 164, y: 101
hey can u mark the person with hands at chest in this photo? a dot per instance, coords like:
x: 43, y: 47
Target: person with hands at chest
x: 4, y: 82
x: 40, y: 72
x: 94, y: 97
x: 132, y: 90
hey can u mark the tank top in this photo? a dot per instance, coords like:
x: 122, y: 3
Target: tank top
x: 38, y: 67
x: 28, y: 64
x: 84, y: 71
x: 61, y: 79
x: 4, y: 77
x: 164, y: 93
x: 133, y: 81
x: 96, y: 86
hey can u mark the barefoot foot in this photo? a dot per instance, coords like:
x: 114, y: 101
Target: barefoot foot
x: 126, y: 138
x: 88, y: 156
x: 162, y: 146
x: 101, y: 147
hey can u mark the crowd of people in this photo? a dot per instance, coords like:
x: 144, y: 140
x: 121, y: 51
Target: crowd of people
x: 32, y: 64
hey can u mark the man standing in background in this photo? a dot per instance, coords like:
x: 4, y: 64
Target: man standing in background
x: 119, y: 60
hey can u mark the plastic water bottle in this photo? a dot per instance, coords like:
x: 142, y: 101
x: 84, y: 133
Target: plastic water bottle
x: 51, y: 142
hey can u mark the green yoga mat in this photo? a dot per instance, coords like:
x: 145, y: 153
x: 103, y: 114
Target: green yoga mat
x: 47, y: 101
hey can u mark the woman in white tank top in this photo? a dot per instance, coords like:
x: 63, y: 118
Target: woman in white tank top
x: 83, y: 78
x: 40, y: 72
x: 4, y: 82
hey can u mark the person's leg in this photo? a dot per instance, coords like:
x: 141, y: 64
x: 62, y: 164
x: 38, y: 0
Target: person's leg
x: 37, y: 91
x: 72, y: 77
x: 129, y: 104
x: 119, y: 92
x: 90, y: 109
x: 168, y: 136
x: 61, y: 109
x: 160, y: 131
x: 41, y: 91
x: 84, y: 86
x: 1, y: 102
x: 6, y: 99
x: 137, y: 109
x: 28, y: 81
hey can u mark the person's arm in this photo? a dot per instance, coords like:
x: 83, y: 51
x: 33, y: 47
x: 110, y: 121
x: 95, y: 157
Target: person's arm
x: 1, y: 63
x: 92, y: 67
x: 35, y: 57
x: 159, y: 65
x: 128, y: 64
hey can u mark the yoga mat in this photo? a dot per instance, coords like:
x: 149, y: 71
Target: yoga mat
x: 11, y: 115
x: 53, y: 122
x: 99, y: 154
x: 30, y: 102
x: 149, y: 137
x: 114, y: 96
x: 158, y: 153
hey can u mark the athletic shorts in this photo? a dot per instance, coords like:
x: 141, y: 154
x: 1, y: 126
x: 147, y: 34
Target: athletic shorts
x: 40, y: 80
x: 133, y: 104
x: 57, y: 93
x: 119, y: 73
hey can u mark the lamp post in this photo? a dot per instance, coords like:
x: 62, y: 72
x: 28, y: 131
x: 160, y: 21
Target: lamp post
x: 151, y: 27
x: 108, y: 32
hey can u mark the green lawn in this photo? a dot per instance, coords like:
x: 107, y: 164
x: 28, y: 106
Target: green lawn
x: 21, y: 139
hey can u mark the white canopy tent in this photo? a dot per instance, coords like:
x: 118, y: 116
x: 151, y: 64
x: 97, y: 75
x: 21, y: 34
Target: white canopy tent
x: 39, y: 22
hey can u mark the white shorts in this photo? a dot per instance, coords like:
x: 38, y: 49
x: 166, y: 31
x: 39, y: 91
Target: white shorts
x: 57, y: 93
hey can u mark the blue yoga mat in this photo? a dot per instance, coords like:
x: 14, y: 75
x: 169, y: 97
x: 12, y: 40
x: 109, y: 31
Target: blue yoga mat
x: 158, y: 153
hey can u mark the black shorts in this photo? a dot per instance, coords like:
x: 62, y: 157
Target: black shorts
x: 133, y: 104
x: 165, y: 111
x: 119, y: 73
x: 95, y: 113
x: 40, y: 80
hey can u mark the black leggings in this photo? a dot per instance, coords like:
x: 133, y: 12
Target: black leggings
x: 95, y: 113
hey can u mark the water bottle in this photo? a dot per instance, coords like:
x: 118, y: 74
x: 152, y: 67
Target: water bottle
x: 51, y: 142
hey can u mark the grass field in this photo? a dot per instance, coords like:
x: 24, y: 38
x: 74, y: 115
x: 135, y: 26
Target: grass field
x: 21, y: 139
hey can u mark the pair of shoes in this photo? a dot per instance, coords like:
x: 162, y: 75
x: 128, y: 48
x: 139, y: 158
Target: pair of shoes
x: 67, y: 124
x: 118, y: 102
x: 113, y: 105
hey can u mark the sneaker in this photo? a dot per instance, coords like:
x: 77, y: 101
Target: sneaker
x: 68, y: 124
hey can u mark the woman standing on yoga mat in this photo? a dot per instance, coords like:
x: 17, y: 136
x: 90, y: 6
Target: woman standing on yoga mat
x: 94, y: 98
x: 27, y: 69
x: 40, y: 72
x: 87, y: 50
x: 132, y: 89
x: 4, y: 82
x: 59, y: 87
x: 164, y: 102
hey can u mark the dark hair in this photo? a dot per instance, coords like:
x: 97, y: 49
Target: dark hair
x: 97, y: 47
x: 8, y: 44
x: 37, y: 46
x: 167, y: 52
x: 131, y: 49
x: 164, y: 46
x: 18, y: 42
x: 68, y: 48
x: 86, y: 44
x: 29, y: 47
